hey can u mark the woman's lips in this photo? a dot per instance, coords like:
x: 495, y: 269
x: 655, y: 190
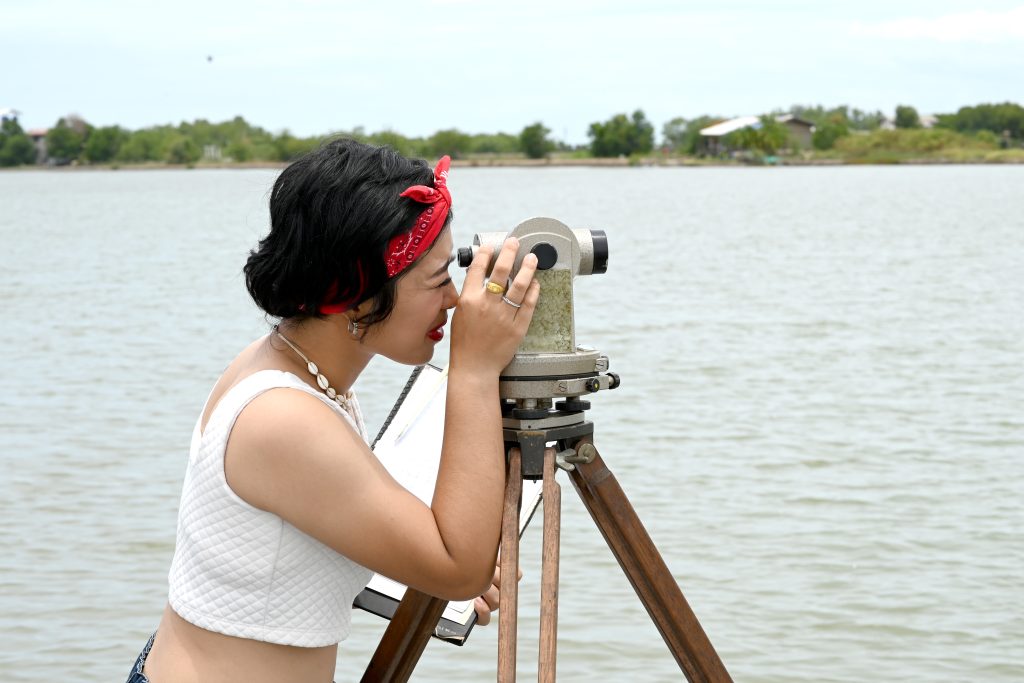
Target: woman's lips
x: 437, y: 334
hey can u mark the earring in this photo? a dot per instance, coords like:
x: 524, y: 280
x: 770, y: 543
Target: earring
x: 354, y: 328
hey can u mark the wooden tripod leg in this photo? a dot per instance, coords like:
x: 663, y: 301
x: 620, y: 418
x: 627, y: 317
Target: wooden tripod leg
x: 508, y: 602
x: 405, y: 638
x: 646, y: 570
x: 548, y: 645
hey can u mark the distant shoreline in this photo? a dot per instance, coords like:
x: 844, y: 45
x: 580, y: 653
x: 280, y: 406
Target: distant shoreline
x: 620, y: 162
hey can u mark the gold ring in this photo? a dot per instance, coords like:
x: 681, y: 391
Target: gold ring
x: 494, y: 288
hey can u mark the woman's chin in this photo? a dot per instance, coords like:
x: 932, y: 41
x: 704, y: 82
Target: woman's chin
x: 419, y: 357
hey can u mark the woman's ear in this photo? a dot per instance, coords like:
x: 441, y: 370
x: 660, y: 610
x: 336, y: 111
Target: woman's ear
x: 353, y: 316
x: 359, y: 312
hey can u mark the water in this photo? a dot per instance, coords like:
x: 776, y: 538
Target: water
x: 820, y: 420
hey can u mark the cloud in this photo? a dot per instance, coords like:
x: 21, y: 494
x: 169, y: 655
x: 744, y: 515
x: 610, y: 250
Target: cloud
x: 965, y: 27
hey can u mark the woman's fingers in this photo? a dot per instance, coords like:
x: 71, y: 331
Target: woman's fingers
x: 506, y: 259
x: 477, y: 271
x: 525, y: 313
x: 490, y: 322
x: 489, y: 601
x: 517, y: 290
x: 491, y: 598
x: 483, y: 612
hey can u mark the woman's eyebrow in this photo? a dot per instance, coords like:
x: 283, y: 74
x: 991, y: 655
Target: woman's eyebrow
x: 444, y: 268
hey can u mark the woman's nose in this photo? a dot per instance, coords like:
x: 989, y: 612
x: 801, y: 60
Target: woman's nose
x: 451, y: 296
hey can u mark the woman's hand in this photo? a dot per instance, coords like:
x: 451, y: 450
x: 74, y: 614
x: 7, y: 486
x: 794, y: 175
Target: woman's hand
x: 487, y: 330
x: 487, y: 603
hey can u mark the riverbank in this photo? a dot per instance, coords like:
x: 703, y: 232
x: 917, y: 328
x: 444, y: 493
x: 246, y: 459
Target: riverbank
x: 878, y: 158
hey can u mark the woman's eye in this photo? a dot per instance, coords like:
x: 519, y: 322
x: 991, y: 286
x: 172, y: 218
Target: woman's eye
x: 446, y: 282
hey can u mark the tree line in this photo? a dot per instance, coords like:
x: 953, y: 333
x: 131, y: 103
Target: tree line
x: 74, y: 140
x: 842, y: 128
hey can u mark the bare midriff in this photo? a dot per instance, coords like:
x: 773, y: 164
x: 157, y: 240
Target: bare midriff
x: 185, y: 653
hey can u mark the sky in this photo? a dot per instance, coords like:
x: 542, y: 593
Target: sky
x: 316, y: 67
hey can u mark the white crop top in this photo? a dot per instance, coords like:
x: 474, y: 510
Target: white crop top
x: 245, y: 572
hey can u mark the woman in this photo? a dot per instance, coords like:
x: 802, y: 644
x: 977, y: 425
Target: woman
x: 285, y: 511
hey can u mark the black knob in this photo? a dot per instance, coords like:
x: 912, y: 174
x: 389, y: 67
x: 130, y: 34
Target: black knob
x: 546, y: 255
x: 615, y: 381
x: 529, y: 413
x: 572, y: 405
x: 465, y: 256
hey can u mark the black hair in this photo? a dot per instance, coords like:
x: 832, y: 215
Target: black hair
x: 332, y: 213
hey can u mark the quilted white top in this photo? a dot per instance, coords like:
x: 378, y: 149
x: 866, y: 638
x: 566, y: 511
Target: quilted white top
x: 245, y: 572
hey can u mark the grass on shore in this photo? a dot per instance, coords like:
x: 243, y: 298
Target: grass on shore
x: 901, y: 146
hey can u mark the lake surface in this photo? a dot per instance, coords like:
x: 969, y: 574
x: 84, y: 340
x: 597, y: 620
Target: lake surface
x: 821, y: 417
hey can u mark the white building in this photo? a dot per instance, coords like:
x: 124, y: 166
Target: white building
x: 800, y: 132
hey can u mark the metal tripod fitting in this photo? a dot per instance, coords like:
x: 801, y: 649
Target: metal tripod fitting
x: 570, y: 457
x: 585, y: 454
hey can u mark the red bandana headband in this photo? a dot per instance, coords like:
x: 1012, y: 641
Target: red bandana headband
x: 404, y: 249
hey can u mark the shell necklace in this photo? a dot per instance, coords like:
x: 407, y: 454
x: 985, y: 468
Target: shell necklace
x: 321, y: 380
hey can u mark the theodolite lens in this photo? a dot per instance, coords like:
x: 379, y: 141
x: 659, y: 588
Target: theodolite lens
x: 600, y: 239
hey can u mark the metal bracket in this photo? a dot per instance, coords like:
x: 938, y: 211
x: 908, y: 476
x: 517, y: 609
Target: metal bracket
x: 532, y: 443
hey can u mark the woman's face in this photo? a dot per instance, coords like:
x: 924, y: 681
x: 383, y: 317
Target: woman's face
x: 424, y: 296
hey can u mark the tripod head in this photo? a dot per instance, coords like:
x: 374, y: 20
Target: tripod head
x: 541, y: 388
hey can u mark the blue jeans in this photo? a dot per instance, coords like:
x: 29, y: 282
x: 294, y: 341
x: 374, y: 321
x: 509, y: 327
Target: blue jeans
x: 136, y: 675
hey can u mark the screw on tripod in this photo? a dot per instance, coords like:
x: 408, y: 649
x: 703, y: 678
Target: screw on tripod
x: 570, y: 457
x: 572, y: 405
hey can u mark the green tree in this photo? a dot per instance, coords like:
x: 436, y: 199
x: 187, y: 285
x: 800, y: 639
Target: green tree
x: 183, y: 150
x: 534, y: 141
x: 864, y: 120
x: 148, y: 144
x: 852, y: 118
x: 240, y: 150
x: 906, y: 117
x: 494, y: 143
x: 1002, y: 118
x: 10, y: 127
x: 64, y: 143
x: 396, y: 141
x: 828, y: 131
x: 683, y: 135
x: 451, y: 141
x: 16, y: 149
x: 622, y: 135
x: 288, y: 147
x: 767, y: 136
x: 673, y: 133
x: 104, y: 143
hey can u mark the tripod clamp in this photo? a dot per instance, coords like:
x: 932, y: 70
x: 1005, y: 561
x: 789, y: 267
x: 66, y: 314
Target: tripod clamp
x: 533, y: 436
x: 570, y: 457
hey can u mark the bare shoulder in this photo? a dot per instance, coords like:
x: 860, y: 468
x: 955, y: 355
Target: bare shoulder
x: 250, y: 361
x: 285, y: 436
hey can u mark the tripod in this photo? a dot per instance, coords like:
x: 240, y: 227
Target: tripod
x: 526, y: 433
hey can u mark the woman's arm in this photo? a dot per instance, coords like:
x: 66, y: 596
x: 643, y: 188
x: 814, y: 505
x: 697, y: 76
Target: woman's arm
x: 290, y: 454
